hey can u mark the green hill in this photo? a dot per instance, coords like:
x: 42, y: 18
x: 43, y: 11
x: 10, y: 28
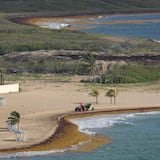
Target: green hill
x: 73, y: 6
x: 16, y: 38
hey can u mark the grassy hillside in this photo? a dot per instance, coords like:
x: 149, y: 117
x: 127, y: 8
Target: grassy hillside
x: 17, y: 38
x: 78, y: 5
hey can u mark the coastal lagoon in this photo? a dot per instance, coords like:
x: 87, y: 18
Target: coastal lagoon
x: 131, y: 25
x: 135, y: 136
x: 138, y: 25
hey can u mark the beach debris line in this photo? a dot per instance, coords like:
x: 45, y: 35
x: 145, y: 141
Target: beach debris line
x: 84, y: 107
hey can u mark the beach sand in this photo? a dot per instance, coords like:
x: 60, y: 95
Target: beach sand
x: 43, y: 107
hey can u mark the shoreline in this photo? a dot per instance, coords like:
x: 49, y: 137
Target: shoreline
x: 60, y: 21
x: 63, y: 132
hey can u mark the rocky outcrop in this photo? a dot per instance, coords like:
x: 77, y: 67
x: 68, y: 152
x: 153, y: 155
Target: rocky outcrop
x: 77, y: 55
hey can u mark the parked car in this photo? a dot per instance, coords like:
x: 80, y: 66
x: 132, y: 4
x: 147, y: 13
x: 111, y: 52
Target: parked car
x: 84, y: 107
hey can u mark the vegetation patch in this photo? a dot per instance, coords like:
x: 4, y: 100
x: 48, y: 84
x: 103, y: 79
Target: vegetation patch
x: 18, y: 38
x: 75, y: 6
x: 132, y: 73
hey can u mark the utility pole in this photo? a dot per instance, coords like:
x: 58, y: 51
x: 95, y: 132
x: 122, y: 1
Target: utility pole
x: 1, y: 79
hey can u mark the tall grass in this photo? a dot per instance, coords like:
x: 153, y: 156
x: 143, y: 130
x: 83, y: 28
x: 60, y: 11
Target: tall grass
x: 128, y: 73
x: 77, y: 5
x: 133, y: 73
x: 17, y: 38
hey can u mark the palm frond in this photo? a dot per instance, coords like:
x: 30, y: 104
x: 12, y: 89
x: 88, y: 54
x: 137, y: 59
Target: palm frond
x: 15, y: 114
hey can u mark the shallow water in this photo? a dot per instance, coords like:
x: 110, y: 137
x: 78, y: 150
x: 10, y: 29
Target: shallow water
x: 135, y: 136
x: 148, y: 29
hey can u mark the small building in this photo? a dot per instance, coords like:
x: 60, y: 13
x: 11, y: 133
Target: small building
x: 9, y: 88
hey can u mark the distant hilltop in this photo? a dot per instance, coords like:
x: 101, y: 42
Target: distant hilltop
x: 78, y: 6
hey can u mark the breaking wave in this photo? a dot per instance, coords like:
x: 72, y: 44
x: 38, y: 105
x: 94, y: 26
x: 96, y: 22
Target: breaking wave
x: 86, y: 125
x: 105, y: 121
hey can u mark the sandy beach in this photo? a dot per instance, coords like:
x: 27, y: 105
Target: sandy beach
x: 42, y: 104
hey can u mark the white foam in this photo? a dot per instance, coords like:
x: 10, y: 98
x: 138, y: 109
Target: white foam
x: 29, y: 154
x: 134, y: 115
x: 149, y: 113
x: 41, y: 153
x: 53, y: 25
x: 37, y: 153
x: 105, y: 121
x: 85, y: 124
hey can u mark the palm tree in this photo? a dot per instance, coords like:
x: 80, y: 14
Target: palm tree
x: 95, y: 93
x: 90, y: 63
x: 14, y: 119
x: 112, y: 93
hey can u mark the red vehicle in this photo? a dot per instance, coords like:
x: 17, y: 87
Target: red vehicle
x: 84, y: 107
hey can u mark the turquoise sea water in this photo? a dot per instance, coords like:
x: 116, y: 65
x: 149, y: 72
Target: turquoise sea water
x: 148, y: 30
x: 135, y: 136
